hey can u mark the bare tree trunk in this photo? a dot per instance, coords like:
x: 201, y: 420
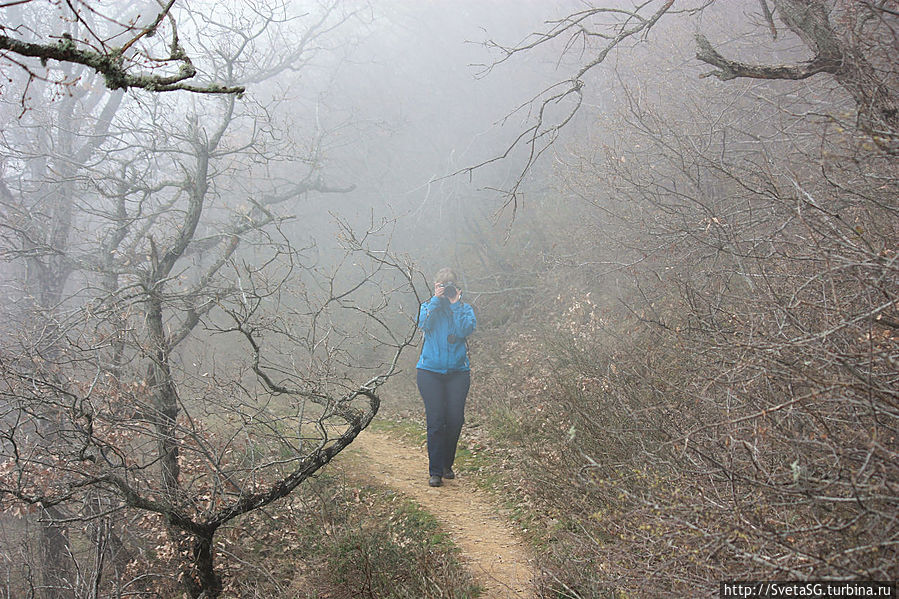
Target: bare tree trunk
x: 210, y: 584
x: 57, y: 581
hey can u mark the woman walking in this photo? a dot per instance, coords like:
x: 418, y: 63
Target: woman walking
x: 443, y: 371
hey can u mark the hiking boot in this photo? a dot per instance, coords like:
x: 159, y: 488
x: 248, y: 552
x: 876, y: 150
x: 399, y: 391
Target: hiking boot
x: 435, y: 481
x: 449, y: 474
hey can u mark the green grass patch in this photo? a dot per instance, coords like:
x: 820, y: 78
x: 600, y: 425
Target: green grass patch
x: 398, y: 552
x: 408, y: 431
x: 338, y: 539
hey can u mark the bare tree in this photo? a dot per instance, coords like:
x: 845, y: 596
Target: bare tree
x: 38, y: 199
x: 187, y: 363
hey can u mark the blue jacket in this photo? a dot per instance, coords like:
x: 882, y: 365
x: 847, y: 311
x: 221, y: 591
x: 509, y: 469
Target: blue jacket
x: 439, y: 319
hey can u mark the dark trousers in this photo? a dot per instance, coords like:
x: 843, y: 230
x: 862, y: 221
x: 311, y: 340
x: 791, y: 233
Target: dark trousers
x: 444, y: 396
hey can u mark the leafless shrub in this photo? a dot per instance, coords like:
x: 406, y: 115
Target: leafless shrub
x: 718, y: 379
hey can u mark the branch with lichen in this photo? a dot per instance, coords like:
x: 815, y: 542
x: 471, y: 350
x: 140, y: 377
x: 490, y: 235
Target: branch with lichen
x: 112, y: 66
x: 732, y: 69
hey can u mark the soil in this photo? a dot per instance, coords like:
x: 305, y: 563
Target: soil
x: 499, y: 562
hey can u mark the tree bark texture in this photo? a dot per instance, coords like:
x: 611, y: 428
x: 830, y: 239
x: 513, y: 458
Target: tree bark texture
x: 877, y: 104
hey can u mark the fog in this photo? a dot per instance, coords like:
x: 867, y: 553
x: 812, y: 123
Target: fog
x: 412, y: 106
x: 676, y: 223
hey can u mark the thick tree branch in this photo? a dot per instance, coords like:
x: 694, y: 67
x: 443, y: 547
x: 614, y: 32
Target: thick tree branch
x: 112, y: 66
x: 732, y: 69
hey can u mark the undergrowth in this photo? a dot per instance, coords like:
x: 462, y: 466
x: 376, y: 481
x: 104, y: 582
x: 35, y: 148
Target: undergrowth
x: 338, y: 539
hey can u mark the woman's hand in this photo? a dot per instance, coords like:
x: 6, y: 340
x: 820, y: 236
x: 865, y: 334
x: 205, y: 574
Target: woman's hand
x: 440, y: 291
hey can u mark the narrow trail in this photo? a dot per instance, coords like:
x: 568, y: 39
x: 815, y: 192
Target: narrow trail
x: 499, y: 562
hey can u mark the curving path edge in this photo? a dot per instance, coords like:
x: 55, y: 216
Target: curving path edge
x: 499, y: 562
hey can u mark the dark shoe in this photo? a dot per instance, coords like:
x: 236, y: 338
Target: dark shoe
x: 449, y: 474
x: 435, y: 481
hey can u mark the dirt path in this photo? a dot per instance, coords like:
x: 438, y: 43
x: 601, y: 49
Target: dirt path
x: 498, y: 561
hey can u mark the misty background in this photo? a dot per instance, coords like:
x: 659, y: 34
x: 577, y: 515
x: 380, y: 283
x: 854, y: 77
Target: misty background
x: 676, y: 222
